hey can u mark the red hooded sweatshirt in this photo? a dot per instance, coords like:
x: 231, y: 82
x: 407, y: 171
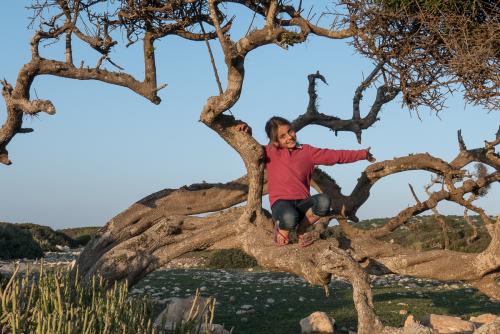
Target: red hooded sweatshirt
x: 289, y: 172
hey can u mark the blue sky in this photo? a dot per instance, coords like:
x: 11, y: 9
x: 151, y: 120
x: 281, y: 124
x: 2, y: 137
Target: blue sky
x: 107, y: 147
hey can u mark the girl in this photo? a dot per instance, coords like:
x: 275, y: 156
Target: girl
x: 289, y: 168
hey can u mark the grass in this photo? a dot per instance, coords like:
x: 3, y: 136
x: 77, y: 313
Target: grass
x: 294, y: 299
x: 58, y: 302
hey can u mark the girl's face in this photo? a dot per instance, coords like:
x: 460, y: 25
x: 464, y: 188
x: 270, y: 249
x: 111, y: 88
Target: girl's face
x: 286, y: 137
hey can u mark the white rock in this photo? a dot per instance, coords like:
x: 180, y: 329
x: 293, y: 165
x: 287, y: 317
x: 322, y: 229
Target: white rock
x: 484, y: 318
x: 490, y: 328
x: 62, y: 248
x: 270, y: 300
x: 214, y: 329
x: 410, y: 321
x: 445, y: 324
x: 178, y: 310
x: 317, y: 322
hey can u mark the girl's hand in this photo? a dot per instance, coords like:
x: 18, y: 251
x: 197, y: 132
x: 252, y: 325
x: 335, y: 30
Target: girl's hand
x: 244, y: 127
x: 369, y: 156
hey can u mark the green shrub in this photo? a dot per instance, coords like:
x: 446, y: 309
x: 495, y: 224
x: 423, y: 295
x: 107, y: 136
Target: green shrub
x: 83, y: 240
x: 57, y: 302
x: 47, y: 238
x: 82, y: 235
x: 424, y: 233
x: 231, y: 259
x: 17, y: 243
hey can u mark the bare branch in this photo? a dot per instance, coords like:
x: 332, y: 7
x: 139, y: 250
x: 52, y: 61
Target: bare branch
x: 413, y: 193
x: 461, y: 142
x: 356, y: 124
x: 358, y: 94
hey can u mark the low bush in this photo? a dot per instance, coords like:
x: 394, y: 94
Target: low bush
x: 57, y: 302
x: 424, y: 233
x: 17, y: 243
x: 47, y: 238
x: 82, y: 235
x: 231, y: 259
x: 83, y: 240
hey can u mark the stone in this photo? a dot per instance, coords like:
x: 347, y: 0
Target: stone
x: 416, y: 329
x: 214, y: 329
x: 410, y: 321
x: 270, y: 300
x: 232, y: 299
x: 178, y: 310
x: 484, y: 318
x: 445, y: 324
x: 317, y: 322
x: 490, y: 328
x: 62, y: 248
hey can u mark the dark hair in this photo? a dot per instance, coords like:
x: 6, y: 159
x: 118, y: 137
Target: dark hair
x: 272, y: 127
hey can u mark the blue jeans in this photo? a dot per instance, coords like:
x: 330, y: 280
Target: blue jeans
x: 290, y: 213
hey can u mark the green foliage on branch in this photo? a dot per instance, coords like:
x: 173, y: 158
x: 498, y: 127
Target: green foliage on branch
x: 231, y: 259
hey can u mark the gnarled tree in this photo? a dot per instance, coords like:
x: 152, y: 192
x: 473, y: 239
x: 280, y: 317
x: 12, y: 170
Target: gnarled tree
x: 164, y: 225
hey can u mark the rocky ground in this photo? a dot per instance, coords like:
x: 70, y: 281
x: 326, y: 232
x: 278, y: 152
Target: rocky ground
x: 63, y: 258
x: 256, y: 301
x: 252, y: 300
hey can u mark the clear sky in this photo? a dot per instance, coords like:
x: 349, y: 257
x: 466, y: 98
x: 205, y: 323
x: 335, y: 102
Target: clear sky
x: 107, y: 147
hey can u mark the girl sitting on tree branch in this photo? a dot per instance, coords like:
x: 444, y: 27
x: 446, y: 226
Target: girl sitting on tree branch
x: 289, y: 168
